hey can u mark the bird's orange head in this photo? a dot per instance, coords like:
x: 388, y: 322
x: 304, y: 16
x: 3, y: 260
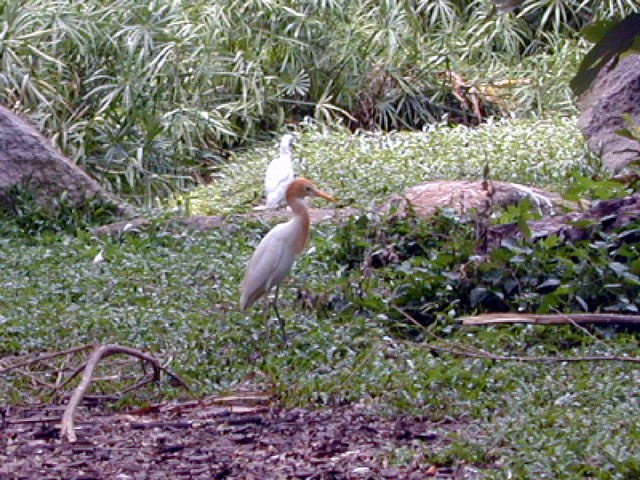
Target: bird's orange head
x: 302, y: 187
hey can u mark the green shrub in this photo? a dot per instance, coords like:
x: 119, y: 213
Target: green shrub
x: 22, y: 214
x: 147, y: 95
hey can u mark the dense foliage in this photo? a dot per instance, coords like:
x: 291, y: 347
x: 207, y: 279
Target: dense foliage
x: 173, y: 292
x: 363, y: 169
x: 431, y: 267
x: 141, y: 93
x: 144, y: 94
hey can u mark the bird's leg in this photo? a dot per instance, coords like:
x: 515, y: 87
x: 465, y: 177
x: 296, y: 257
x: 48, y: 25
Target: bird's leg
x: 265, y: 320
x: 275, y: 308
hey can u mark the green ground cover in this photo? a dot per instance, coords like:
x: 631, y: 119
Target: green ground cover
x: 174, y: 293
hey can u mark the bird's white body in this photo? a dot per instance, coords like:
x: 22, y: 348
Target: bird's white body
x: 274, y: 256
x: 280, y: 173
x: 271, y: 261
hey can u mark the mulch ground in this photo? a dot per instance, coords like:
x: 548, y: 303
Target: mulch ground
x: 229, y: 437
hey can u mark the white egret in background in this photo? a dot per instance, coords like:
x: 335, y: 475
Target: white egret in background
x: 280, y: 173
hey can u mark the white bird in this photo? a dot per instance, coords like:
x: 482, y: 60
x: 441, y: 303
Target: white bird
x: 274, y: 256
x: 99, y: 258
x: 280, y: 173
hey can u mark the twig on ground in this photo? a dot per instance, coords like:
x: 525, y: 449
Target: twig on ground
x: 550, y: 318
x: 586, y: 331
x: 470, y: 351
x: 67, y: 425
x: 73, y: 375
x: 36, y: 381
x: 357, y: 368
x: 45, y: 357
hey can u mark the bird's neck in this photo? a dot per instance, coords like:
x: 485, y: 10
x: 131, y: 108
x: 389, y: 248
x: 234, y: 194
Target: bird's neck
x: 301, y: 217
x: 285, y: 151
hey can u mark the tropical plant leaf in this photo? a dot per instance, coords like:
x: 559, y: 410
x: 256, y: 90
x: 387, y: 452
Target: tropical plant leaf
x: 614, y: 42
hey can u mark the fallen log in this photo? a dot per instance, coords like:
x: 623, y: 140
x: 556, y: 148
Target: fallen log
x: 550, y: 318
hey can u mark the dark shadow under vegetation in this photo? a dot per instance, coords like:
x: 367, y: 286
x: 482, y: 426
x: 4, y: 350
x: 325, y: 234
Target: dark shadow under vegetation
x: 430, y: 269
x: 21, y: 214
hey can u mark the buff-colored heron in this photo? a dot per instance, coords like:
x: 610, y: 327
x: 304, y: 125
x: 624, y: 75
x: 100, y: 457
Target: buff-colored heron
x: 274, y: 256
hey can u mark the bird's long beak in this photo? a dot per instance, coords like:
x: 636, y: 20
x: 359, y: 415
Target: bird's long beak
x: 320, y: 193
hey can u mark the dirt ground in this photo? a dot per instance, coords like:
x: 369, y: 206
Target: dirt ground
x: 229, y: 437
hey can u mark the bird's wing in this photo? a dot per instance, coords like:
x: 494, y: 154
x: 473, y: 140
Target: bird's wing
x: 278, y: 177
x: 270, y: 262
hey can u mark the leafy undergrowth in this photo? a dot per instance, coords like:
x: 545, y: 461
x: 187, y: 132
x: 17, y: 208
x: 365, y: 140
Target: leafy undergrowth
x: 363, y: 169
x: 174, y: 293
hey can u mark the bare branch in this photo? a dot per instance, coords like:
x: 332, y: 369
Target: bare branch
x: 45, y: 357
x: 470, y: 351
x: 551, y: 318
x: 67, y: 425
